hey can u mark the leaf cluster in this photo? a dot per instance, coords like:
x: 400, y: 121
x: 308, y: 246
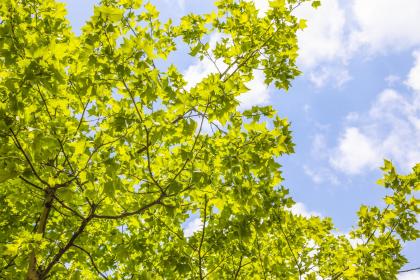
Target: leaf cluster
x: 104, y: 156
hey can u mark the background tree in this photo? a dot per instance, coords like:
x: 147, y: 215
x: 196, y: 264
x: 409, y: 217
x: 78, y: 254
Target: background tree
x: 104, y: 155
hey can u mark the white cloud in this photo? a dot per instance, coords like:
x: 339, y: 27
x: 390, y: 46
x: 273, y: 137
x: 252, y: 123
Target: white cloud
x: 412, y: 275
x: 390, y: 129
x: 323, y: 40
x: 413, y: 80
x: 192, y: 226
x: 321, y: 175
x: 329, y: 73
x: 320, y: 151
x: 258, y: 93
x: 391, y: 80
x: 355, y: 152
x: 198, y: 71
x: 179, y: 3
x: 385, y: 24
x: 323, y: 51
x: 352, y: 116
x: 337, y: 32
x: 319, y: 146
x: 300, y: 209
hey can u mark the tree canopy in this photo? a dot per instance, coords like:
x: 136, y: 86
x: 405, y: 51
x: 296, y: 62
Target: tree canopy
x: 105, y: 153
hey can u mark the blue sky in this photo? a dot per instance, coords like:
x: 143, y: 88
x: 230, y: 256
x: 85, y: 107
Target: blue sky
x: 357, y: 102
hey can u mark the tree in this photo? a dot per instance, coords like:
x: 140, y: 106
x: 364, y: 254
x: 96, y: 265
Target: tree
x: 104, y: 155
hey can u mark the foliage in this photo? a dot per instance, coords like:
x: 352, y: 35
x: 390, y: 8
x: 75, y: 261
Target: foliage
x: 104, y: 156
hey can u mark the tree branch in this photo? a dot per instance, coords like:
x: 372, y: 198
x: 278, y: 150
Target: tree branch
x: 239, y: 267
x: 69, y: 244
x: 30, y: 183
x: 68, y: 207
x: 19, y: 146
x: 91, y: 260
x: 33, y: 272
x: 200, y: 259
x: 408, y: 270
x: 127, y: 214
x: 259, y: 256
x: 149, y: 167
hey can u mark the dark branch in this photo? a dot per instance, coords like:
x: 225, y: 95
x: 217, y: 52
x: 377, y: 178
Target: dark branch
x: 408, y: 270
x: 200, y: 259
x: 30, y: 183
x: 127, y: 214
x: 91, y: 260
x: 69, y: 244
x: 19, y: 146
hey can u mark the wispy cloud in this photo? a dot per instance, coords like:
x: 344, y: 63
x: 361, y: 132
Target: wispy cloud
x: 384, y: 25
x: 300, y: 209
x: 413, y: 79
x: 337, y: 32
x: 323, y: 40
x: 412, y: 275
x: 321, y: 175
x: 179, y: 3
x: 390, y: 129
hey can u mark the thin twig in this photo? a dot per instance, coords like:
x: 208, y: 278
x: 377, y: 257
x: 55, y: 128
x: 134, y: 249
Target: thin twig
x: 408, y: 270
x: 30, y: 183
x: 19, y: 146
x: 127, y: 214
x: 91, y: 260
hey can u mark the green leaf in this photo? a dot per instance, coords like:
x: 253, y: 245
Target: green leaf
x: 316, y: 4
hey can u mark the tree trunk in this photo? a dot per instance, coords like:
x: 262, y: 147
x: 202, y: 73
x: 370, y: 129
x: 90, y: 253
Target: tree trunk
x: 33, y: 273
